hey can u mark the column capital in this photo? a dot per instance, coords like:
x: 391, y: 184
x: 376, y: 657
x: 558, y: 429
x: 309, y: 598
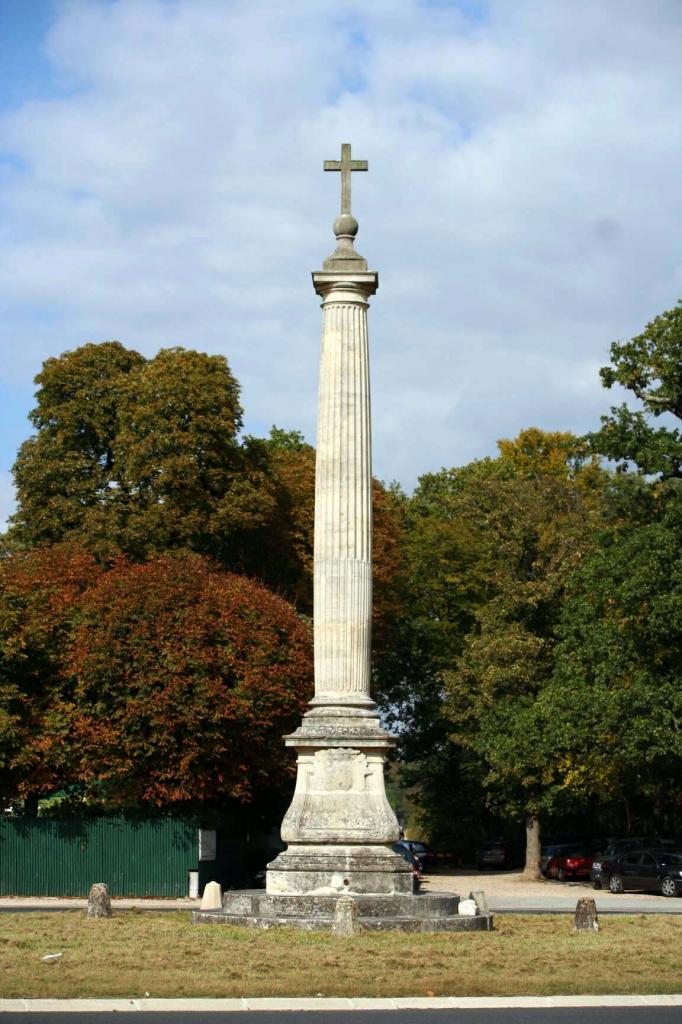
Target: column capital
x: 327, y: 283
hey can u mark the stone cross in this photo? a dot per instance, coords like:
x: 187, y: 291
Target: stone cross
x: 345, y: 165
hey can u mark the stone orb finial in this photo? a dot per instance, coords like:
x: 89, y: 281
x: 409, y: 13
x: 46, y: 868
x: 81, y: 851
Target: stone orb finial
x: 346, y: 224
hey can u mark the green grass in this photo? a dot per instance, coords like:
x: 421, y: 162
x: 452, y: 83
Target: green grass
x: 164, y: 955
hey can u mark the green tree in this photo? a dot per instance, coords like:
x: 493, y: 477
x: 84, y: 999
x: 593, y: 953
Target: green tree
x: 67, y: 477
x: 650, y: 366
x: 493, y: 544
x: 620, y: 640
x: 615, y: 702
x: 140, y: 456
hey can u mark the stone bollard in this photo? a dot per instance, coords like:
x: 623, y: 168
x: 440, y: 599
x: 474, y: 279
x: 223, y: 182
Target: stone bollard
x: 586, y: 918
x: 99, y: 903
x: 213, y: 897
x: 480, y: 899
x: 346, y: 916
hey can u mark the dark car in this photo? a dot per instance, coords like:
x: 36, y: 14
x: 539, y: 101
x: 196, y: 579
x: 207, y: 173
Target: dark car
x: 412, y: 860
x: 617, y: 848
x: 420, y: 850
x: 648, y: 870
x: 495, y: 854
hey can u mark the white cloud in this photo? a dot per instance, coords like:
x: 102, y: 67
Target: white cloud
x: 520, y: 207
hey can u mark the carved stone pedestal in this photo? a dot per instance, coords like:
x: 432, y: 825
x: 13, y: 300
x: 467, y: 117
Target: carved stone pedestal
x: 340, y: 827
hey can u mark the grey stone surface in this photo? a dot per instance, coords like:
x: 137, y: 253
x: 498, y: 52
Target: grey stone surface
x: 586, y: 917
x: 423, y: 912
x: 345, y: 917
x: 481, y: 900
x: 99, y: 902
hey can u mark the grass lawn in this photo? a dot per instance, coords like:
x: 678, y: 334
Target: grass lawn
x: 163, y: 955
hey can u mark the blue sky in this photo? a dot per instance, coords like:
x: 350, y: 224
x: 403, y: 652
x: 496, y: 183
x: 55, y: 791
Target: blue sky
x: 161, y: 172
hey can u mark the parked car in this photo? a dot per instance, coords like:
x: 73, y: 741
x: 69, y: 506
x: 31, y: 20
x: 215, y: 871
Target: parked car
x: 496, y: 854
x: 648, y: 870
x: 618, y: 848
x: 571, y: 862
x: 420, y: 850
x: 412, y: 860
x: 550, y: 851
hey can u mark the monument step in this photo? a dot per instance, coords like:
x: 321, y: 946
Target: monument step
x: 263, y: 904
x: 422, y: 912
x: 453, y: 923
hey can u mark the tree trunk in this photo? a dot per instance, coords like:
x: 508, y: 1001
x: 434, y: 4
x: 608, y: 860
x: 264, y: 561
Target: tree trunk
x: 532, y: 868
x: 31, y: 804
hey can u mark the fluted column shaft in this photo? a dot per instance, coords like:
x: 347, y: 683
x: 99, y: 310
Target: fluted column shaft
x: 343, y: 496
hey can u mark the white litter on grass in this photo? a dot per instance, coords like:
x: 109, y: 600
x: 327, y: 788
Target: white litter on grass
x: 51, y: 957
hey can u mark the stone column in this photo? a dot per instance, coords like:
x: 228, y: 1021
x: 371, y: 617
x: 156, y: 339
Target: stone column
x: 343, y: 496
x: 340, y: 827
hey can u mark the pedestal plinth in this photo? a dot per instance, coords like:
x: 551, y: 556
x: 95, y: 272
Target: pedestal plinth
x: 340, y: 827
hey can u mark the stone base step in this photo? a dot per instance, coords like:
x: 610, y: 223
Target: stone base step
x: 425, y: 912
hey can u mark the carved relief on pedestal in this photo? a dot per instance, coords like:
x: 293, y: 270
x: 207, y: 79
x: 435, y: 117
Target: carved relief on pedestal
x: 339, y: 798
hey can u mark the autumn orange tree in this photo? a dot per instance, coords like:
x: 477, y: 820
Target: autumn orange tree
x: 168, y: 683
x: 186, y: 678
x: 39, y: 592
x: 134, y: 460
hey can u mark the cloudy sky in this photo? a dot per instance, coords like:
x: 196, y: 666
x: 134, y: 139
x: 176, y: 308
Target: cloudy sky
x: 161, y: 183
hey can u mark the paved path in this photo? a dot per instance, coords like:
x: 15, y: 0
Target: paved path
x: 19, y: 903
x: 509, y: 892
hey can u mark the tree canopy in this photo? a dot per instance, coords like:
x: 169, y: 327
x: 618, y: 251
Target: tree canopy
x: 526, y: 607
x: 650, y: 366
x: 169, y: 682
x: 614, y: 706
x: 140, y: 456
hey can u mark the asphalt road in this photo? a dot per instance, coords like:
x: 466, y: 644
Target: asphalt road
x: 563, y: 1015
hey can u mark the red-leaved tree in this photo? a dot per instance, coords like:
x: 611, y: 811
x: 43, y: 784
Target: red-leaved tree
x: 186, y: 678
x: 39, y: 592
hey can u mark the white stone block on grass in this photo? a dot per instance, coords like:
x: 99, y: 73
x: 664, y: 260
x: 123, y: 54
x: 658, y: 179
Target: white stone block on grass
x: 213, y: 897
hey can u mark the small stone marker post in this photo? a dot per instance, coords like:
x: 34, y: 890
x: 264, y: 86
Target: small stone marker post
x: 480, y: 899
x: 213, y: 896
x: 345, y: 916
x: 99, y: 902
x: 586, y: 918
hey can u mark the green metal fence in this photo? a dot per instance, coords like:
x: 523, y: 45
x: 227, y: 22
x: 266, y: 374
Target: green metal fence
x: 51, y: 857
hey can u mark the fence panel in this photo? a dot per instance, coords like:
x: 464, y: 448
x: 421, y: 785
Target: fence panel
x: 51, y: 857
